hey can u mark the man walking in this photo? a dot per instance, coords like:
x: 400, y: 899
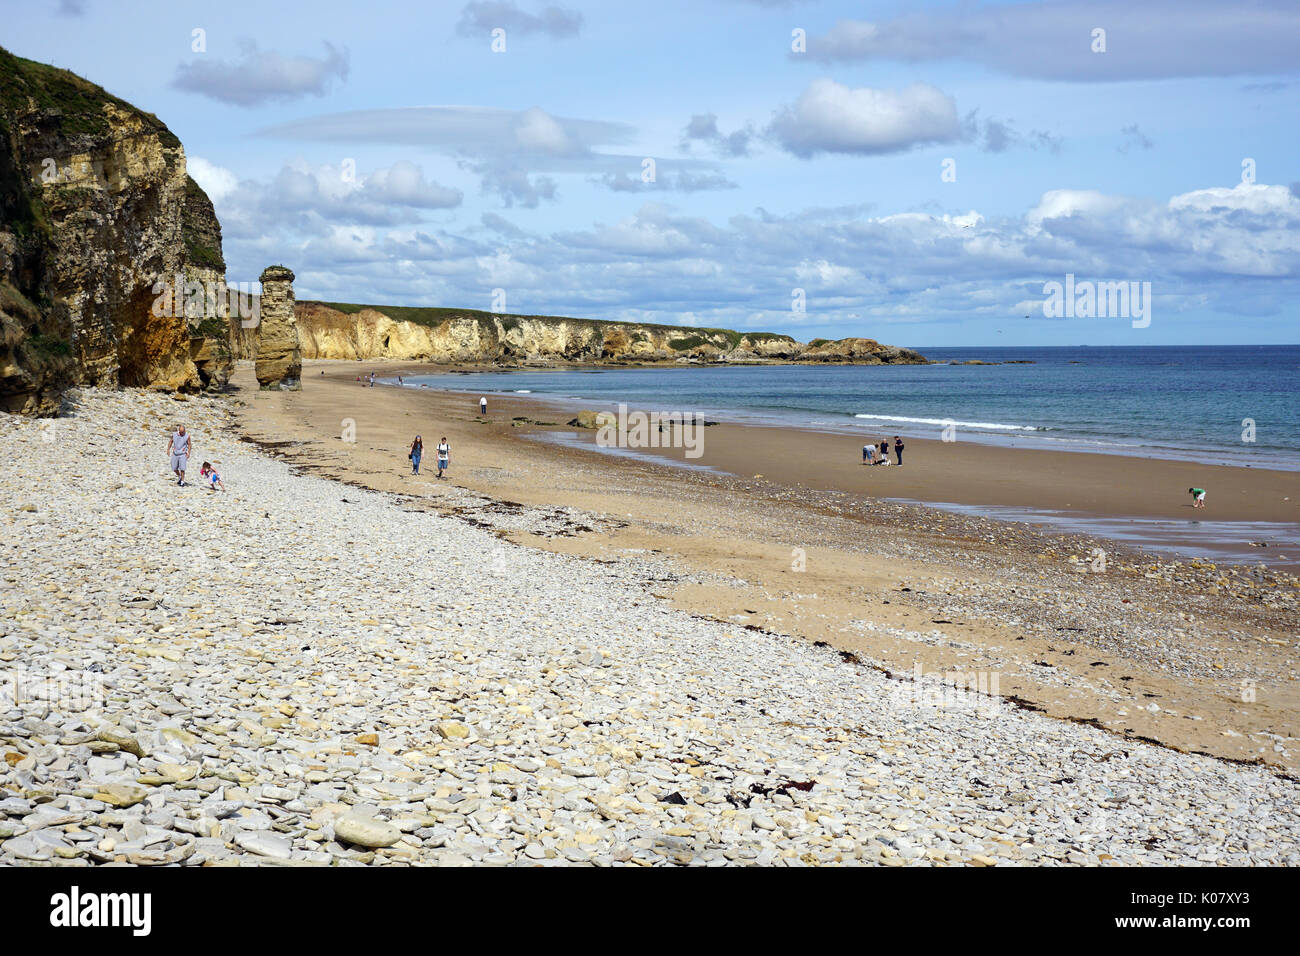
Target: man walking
x: 178, y: 447
x: 482, y: 405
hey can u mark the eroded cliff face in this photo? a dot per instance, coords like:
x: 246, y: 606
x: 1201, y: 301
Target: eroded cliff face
x: 95, y: 209
x: 329, y: 333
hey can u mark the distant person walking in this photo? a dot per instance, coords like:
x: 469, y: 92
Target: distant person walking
x: 444, y: 456
x: 1198, y: 497
x: 178, y: 447
x: 417, y: 452
x: 482, y: 406
x: 898, y: 449
x: 868, y: 454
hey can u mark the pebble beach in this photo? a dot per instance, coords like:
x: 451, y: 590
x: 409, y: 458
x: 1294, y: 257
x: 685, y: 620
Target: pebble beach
x: 305, y: 672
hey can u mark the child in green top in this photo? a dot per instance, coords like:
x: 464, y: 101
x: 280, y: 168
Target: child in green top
x: 1198, y: 497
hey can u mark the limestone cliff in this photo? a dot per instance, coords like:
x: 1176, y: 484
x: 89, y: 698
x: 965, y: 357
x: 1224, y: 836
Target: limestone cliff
x: 332, y: 331
x: 96, y: 208
x: 211, y: 346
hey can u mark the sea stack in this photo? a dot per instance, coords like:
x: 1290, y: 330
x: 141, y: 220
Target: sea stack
x: 279, y: 357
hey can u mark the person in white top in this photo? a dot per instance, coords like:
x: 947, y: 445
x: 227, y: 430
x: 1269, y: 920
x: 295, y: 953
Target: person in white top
x: 482, y: 406
x: 444, y: 456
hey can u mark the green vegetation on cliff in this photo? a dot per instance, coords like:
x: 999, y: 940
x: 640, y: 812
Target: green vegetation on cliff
x: 201, y: 230
x: 27, y: 86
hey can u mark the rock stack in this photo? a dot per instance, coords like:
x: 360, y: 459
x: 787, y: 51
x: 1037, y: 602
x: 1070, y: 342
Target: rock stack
x: 279, y: 357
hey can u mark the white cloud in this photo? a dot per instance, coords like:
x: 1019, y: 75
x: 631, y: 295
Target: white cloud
x: 459, y: 130
x: 483, y: 16
x: 1256, y: 198
x: 403, y: 184
x: 216, y: 181
x: 1054, y: 40
x: 261, y: 76
x: 307, y: 198
x: 703, y: 128
x: 539, y: 132
x: 1062, y: 203
x: 833, y: 118
x: 1205, y: 249
x: 512, y: 151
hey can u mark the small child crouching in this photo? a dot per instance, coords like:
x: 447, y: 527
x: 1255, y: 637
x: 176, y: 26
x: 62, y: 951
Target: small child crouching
x: 213, y: 479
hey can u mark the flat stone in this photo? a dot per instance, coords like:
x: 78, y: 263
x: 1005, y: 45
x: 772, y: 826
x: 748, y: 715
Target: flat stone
x: 120, y: 794
x: 112, y: 734
x: 452, y: 730
x: 355, y: 827
x: 264, y: 844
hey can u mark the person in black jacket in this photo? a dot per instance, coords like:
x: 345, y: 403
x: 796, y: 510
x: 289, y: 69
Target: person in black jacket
x: 898, y: 449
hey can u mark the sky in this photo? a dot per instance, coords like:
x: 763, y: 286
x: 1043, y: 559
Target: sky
x: 916, y: 173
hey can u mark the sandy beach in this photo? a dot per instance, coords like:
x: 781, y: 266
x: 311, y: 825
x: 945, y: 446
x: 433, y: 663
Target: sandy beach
x: 244, y: 625
x: 1151, y: 647
x: 633, y: 667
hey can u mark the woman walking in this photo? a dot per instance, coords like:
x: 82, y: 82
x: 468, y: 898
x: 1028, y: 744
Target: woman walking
x: 417, y: 452
x: 444, y: 456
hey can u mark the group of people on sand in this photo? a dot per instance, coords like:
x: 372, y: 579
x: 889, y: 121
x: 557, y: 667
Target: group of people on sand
x: 879, y: 454
x: 444, y: 449
x: 417, y: 453
x: 179, y: 447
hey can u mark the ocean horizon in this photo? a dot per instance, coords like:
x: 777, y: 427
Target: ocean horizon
x: 1231, y: 405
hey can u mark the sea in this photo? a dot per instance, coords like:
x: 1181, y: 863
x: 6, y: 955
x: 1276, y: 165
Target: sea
x: 1237, y: 405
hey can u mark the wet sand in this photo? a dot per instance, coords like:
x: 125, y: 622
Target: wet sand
x: 823, y: 553
x: 1078, y: 484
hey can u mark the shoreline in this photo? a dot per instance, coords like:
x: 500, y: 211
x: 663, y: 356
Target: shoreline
x: 902, y: 584
x: 1008, y: 433
x: 1071, y: 489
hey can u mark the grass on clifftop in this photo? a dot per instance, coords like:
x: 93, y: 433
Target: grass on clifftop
x: 79, y: 103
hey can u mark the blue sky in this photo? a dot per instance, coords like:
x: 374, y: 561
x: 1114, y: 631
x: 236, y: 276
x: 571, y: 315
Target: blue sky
x: 388, y: 155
